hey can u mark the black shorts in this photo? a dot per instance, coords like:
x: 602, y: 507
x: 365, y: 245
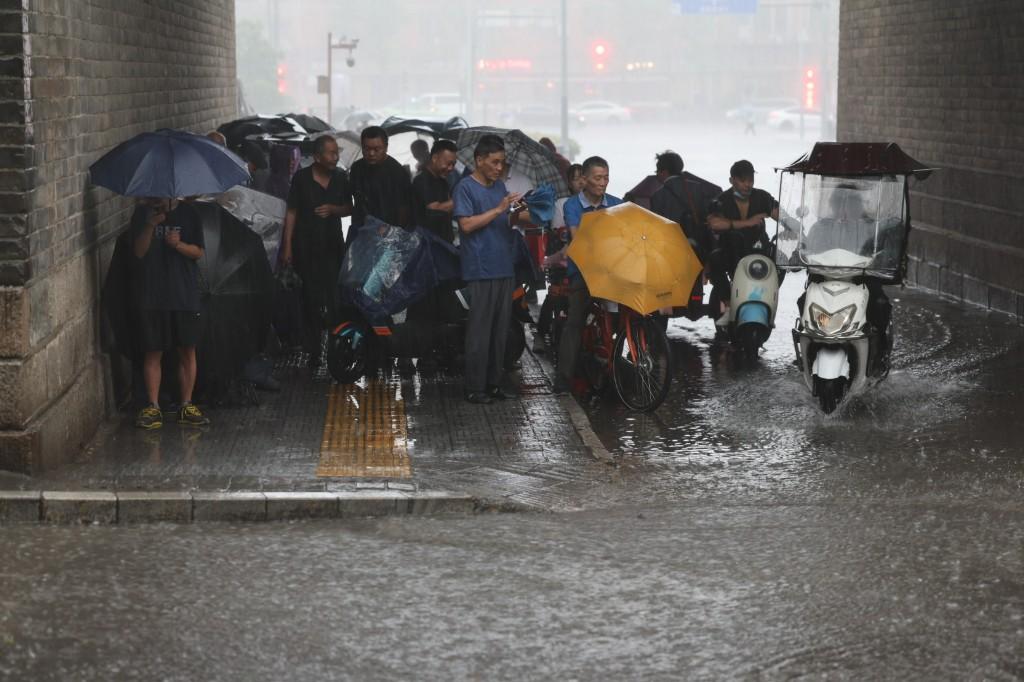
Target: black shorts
x: 161, y: 330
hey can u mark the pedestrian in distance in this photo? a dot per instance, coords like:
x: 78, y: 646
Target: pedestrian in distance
x: 319, y: 197
x: 167, y: 242
x: 593, y: 197
x: 486, y: 213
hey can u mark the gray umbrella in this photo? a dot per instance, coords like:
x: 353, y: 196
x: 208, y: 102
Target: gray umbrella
x: 525, y: 156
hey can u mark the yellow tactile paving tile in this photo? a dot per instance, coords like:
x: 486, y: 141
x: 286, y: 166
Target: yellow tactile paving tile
x: 365, y: 433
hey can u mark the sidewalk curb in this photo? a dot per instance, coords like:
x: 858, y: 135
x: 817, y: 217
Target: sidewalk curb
x: 62, y: 507
x: 578, y: 417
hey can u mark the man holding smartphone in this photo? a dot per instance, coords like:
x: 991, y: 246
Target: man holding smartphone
x: 167, y: 242
x: 482, y: 206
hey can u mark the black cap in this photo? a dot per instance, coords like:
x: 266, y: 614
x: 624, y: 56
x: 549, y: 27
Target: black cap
x: 742, y: 169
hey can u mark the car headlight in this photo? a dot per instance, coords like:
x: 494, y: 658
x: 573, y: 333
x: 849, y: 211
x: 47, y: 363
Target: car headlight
x: 832, y: 323
x: 758, y: 269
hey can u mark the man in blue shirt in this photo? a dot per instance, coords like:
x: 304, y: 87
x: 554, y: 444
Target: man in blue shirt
x: 481, y: 206
x: 593, y: 198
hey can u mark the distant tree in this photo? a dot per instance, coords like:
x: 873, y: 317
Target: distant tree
x: 257, y: 62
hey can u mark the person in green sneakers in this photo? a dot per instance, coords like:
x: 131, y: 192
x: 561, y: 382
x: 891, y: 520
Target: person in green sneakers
x: 167, y: 241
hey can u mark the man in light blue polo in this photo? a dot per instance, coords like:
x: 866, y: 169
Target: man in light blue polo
x: 481, y: 206
x: 593, y: 198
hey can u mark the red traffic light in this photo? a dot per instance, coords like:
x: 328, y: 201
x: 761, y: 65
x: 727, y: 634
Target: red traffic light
x: 282, y: 78
x: 810, y: 97
x: 600, y: 51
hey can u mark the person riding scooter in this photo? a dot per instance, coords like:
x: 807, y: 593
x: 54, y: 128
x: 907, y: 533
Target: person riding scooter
x: 738, y: 220
x: 851, y: 227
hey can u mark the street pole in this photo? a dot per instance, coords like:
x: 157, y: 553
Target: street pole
x: 565, y: 78
x: 330, y: 75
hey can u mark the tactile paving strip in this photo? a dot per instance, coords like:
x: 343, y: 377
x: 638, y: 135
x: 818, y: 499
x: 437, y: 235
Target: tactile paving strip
x: 365, y: 432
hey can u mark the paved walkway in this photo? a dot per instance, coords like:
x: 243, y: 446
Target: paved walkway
x: 409, y: 432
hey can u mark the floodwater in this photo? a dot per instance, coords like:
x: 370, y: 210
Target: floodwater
x: 741, y: 534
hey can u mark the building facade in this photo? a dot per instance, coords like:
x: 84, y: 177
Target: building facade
x: 76, y: 79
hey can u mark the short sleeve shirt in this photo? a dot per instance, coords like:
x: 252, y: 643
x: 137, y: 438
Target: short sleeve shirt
x: 427, y: 188
x: 486, y: 253
x: 313, y: 234
x: 383, y: 190
x: 164, y: 279
x: 573, y: 212
x: 760, y: 202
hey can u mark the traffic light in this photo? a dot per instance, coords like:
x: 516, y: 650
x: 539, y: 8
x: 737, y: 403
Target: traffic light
x: 600, y: 51
x: 282, y: 78
x: 810, y: 89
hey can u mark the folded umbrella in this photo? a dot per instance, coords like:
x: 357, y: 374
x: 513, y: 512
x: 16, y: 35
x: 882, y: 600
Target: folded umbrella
x: 632, y: 256
x: 525, y: 156
x: 541, y: 203
x: 169, y: 163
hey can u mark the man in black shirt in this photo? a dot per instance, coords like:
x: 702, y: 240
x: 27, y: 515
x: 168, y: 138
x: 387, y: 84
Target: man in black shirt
x: 167, y: 240
x: 381, y: 186
x: 737, y: 218
x: 317, y: 200
x: 431, y: 196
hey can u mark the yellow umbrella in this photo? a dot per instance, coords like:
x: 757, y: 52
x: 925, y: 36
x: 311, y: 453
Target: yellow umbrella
x: 632, y: 256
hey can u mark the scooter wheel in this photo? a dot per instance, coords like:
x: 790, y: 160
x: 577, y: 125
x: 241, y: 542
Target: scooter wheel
x: 830, y: 393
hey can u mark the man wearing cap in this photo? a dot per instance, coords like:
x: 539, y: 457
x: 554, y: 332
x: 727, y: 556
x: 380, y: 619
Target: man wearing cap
x: 737, y: 219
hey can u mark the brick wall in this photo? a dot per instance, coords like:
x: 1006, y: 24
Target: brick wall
x: 944, y: 79
x: 78, y: 77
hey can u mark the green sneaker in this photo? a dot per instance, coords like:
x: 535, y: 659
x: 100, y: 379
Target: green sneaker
x: 191, y: 415
x: 149, y: 417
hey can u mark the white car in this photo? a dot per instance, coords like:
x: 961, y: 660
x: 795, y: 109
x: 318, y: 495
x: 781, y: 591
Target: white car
x: 788, y: 120
x: 437, y: 105
x: 601, y: 112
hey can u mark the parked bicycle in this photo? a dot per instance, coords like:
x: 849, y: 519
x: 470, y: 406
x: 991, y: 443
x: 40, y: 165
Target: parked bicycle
x: 629, y: 351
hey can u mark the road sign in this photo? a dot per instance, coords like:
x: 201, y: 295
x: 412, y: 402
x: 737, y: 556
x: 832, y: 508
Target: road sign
x: 714, y: 6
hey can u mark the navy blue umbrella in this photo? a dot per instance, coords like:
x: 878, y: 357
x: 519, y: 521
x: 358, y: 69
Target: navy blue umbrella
x: 169, y: 163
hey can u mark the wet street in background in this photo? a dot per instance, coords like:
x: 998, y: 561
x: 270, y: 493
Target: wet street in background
x: 740, y: 533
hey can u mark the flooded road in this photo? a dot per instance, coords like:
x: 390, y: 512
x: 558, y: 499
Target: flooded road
x: 944, y: 423
x: 740, y: 534
x: 704, y: 590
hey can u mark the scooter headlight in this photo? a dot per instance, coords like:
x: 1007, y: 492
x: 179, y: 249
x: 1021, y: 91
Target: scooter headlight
x: 758, y: 269
x: 835, y: 323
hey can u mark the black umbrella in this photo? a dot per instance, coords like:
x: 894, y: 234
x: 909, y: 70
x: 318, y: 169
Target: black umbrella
x: 237, y: 288
x: 448, y: 129
x: 310, y: 123
x: 237, y: 130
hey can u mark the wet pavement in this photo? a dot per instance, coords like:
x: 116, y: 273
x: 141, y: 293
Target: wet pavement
x: 407, y: 431
x: 945, y: 423
x: 741, y: 534
x: 703, y: 590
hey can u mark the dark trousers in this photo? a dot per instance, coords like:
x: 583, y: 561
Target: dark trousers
x: 490, y: 313
x: 572, y: 333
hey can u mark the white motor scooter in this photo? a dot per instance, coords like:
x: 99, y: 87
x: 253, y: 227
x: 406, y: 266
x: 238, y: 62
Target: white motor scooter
x: 846, y: 220
x: 835, y: 346
x: 754, y: 300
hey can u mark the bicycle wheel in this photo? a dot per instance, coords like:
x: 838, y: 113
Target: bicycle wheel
x: 642, y: 365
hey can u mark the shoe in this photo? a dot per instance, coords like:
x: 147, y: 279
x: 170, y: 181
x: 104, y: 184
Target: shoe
x: 150, y: 417
x: 560, y: 387
x: 721, y: 337
x: 478, y: 398
x: 499, y: 393
x: 191, y: 415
